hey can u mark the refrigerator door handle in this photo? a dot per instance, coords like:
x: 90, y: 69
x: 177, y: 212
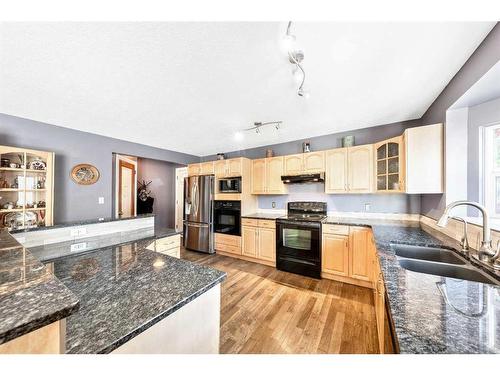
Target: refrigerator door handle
x: 197, y: 225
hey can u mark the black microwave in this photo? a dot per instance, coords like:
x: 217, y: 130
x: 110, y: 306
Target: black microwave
x: 230, y: 185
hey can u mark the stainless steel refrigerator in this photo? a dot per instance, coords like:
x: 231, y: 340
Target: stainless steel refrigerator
x: 198, y: 220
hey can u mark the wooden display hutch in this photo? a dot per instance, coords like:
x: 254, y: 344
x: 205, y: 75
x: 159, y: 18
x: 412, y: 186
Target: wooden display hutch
x: 26, y: 188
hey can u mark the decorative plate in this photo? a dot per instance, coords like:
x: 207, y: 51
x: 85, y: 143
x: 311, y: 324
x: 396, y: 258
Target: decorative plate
x: 85, y: 174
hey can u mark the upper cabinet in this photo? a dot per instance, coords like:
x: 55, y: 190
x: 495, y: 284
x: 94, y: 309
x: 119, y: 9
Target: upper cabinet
x: 310, y: 162
x: 389, y: 165
x: 194, y: 169
x: 228, y: 168
x: 349, y: 170
x: 266, y: 176
x: 424, y: 159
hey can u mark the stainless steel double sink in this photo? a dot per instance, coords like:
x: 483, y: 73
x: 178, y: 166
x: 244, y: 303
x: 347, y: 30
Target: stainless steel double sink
x: 440, y: 262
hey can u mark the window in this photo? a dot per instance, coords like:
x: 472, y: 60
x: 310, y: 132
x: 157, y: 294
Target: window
x: 491, y: 169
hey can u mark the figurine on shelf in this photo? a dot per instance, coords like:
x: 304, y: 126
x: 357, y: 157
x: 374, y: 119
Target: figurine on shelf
x: 41, y: 204
x: 15, y: 184
x: 41, y: 183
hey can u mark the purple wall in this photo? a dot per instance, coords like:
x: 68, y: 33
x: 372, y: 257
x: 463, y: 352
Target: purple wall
x: 73, y: 201
x: 162, y: 177
x: 483, y: 59
x: 384, y: 203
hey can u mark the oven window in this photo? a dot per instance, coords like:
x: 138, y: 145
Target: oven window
x: 227, y: 220
x: 299, y: 239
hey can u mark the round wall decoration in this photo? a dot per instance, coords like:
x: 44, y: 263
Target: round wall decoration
x: 85, y: 174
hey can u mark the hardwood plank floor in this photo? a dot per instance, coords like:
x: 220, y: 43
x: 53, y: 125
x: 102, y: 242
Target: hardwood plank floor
x: 264, y: 310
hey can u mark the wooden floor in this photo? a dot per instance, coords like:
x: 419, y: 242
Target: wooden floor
x: 269, y: 311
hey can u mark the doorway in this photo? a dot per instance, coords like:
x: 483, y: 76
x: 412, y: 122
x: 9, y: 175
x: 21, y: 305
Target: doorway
x: 180, y: 174
x: 126, y: 186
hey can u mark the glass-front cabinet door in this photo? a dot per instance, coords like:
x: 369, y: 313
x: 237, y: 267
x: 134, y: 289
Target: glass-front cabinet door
x: 389, y: 156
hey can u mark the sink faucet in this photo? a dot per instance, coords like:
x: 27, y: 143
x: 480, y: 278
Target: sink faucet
x: 464, y: 241
x: 486, y: 253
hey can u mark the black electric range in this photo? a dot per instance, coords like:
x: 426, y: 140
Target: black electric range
x: 298, y: 238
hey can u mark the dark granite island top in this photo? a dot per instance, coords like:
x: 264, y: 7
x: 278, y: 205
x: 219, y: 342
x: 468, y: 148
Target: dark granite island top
x: 124, y: 290
x: 424, y: 322
x: 30, y: 296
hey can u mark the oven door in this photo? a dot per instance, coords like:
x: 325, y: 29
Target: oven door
x: 227, y: 221
x: 299, y: 240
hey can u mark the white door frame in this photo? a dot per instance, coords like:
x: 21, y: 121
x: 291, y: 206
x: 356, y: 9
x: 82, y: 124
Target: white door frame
x: 180, y: 173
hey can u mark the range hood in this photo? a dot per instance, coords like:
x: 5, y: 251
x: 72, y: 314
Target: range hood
x: 303, y: 178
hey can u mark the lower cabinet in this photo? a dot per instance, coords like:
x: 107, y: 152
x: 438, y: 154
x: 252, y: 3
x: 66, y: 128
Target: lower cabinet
x: 258, y: 240
x: 346, y: 254
x: 168, y: 245
x: 228, y: 243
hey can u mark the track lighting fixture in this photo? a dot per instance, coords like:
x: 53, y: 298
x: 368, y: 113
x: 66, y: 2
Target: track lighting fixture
x: 257, y: 127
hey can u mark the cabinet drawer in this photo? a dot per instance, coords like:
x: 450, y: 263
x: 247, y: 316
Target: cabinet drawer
x: 228, y: 248
x: 336, y: 229
x: 267, y: 224
x: 250, y: 222
x: 227, y: 239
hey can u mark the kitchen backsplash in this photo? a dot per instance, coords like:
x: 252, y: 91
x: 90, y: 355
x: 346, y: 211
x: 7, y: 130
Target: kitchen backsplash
x: 381, y: 203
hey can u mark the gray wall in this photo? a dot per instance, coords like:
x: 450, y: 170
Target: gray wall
x: 73, y: 201
x: 483, y: 59
x: 386, y: 203
x: 162, y: 177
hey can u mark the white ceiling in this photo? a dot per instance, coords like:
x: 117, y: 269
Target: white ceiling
x: 190, y: 86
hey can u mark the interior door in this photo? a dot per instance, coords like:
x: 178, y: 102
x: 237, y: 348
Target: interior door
x: 126, y: 190
x: 180, y: 174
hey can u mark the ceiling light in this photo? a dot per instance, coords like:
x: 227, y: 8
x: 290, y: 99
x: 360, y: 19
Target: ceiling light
x: 238, y: 136
x: 303, y: 93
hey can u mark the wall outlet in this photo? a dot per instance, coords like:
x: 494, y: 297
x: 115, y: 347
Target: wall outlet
x: 367, y: 207
x: 74, y: 232
x: 273, y: 204
x: 101, y: 200
x: 78, y: 246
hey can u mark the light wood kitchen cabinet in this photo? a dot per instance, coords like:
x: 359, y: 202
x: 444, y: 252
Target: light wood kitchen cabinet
x: 228, y: 243
x: 259, y: 176
x: 314, y: 162
x: 293, y: 164
x: 207, y: 168
x: 360, y: 254
x: 168, y: 245
x: 347, y: 254
x: 266, y: 176
x: 389, y: 165
x: 194, y: 169
x: 336, y: 171
x: 335, y: 254
x: 266, y: 244
x: 26, y: 188
x: 228, y: 167
x: 424, y: 154
x: 309, y: 162
x: 258, y: 240
x: 249, y: 241
x: 349, y: 170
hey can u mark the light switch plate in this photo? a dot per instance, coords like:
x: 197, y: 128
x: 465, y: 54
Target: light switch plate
x: 367, y: 207
x: 101, y: 200
x: 273, y: 204
x: 78, y: 246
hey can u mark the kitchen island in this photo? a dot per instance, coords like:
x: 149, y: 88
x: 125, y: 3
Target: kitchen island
x: 130, y: 300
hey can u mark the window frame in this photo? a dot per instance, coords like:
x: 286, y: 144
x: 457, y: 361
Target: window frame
x: 488, y: 172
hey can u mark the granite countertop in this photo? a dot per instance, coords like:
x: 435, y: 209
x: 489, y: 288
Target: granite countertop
x: 61, y: 249
x: 124, y: 290
x: 469, y: 322
x: 30, y: 296
x: 81, y: 222
x: 262, y: 216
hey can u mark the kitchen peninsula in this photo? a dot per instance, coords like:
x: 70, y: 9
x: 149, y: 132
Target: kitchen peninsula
x: 120, y: 298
